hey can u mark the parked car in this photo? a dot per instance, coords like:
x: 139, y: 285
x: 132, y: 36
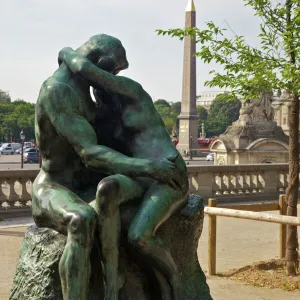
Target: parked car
x: 28, y: 144
x: 7, y: 150
x: 19, y: 151
x: 31, y: 157
x: 31, y: 150
x: 210, y: 157
x: 14, y: 146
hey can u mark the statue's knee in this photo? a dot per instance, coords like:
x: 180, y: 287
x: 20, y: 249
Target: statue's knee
x: 83, y: 222
x: 108, y: 192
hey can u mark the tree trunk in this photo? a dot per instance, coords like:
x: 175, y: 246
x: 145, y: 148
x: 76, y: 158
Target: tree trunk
x: 291, y: 256
x: 293, y: 187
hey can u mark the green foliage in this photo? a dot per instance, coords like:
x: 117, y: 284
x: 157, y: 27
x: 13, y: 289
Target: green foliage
x: 15, y: 116
x: 202, y: 112
x: 176, y: 108
x: 223, y: 112
x: 168, y: 113
x: 4, y: 97
x: 222, y: 108
x: 162, y: 102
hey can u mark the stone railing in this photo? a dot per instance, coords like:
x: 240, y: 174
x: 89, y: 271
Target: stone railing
x: 15, y: 188
x: 239, y: 182
x: 229, y: 182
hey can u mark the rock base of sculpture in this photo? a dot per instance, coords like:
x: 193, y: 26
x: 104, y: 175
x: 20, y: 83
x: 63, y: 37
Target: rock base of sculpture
x: 37, y: 274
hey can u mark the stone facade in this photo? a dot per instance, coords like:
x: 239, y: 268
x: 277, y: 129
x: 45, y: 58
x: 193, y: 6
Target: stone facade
x: 255, y: 138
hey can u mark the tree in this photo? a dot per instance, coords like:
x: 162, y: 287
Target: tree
x: 249, y: 71
x: 176, y: 108
x: 14, y: 117
x: 162, y: 102
x: 202, y: 112
x: 164, y: 109
x: 222, y: 107
x: 4, y: 97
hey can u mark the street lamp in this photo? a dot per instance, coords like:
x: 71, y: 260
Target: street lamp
x: 22, y: 137
x: 191, y: 143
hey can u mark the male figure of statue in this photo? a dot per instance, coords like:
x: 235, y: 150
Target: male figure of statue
x: 68, y: 146
x: 148, y: 139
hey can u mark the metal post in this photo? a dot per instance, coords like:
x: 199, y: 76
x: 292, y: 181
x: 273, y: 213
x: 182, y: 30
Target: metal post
x: 191, y: 143
x: 22, y: 138
x: 22, y: 152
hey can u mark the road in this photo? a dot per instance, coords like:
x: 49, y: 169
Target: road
x: 14, y: 162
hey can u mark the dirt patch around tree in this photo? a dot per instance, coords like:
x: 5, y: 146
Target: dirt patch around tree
x: 269, y: 273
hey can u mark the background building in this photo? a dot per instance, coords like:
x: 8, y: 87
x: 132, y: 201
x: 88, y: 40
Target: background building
x: 206, y: 98
x: 281, y: 110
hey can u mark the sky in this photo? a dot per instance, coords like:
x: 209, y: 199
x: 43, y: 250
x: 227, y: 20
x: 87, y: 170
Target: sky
x: 34, y: 31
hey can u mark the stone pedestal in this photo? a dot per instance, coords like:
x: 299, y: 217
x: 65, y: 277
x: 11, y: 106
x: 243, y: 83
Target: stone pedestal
x: 37, y: 271
x: 256, y: 143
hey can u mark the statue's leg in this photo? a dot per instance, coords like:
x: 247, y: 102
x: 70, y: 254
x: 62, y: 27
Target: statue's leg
x: 111, y: 192
x: 58, y: 208
x: 159, y: 202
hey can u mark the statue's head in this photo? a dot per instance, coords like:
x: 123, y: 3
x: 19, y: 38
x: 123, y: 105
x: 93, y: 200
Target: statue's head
x: 106, y: 52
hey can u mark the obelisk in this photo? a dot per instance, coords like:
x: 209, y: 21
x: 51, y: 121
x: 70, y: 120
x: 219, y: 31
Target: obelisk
x: 188, y: 118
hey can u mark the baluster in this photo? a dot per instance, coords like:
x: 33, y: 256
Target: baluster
x: 13, y: 197
x: 239, y: 183
x: 286, y: 181
x: 253, y: 183
x: 246, y: 183
x: 232, y: 183
x: 3, y: 197
x: 228, y: 183
x: 217, y: 190
x: 193, y: 182
x: 224, y: 184
x: 24, y: 196
x: 260, y: 183
x: 281, y: 179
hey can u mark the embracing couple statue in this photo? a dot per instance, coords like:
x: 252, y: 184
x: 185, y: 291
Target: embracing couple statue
x: 118, y: 144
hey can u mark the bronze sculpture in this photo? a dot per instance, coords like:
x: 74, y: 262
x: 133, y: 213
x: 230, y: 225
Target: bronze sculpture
x: 146, y: 167
x: 149, y: 140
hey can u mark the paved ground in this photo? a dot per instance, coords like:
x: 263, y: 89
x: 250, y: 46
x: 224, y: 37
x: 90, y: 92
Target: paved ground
x: 14, y: 162
x: 239, y: 242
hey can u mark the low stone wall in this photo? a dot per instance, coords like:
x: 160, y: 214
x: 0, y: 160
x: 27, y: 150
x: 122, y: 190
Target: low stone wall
x: 228, y: 182
x: 239, y: 182
x: 15, y: 188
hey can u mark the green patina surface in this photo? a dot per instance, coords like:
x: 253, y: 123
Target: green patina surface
x: 98, y: 157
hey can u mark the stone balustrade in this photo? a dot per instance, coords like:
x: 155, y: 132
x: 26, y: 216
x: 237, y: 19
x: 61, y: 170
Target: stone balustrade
x: 228, y: 182
x: 239, y: 182
x: 15, y: 188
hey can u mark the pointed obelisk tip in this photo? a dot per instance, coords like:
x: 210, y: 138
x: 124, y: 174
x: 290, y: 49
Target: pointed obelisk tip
x: 191, y: 6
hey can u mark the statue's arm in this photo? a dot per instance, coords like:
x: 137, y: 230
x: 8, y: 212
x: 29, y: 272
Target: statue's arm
x: 99, y: 78
x: 62, y: 105
x: 62, y: 108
